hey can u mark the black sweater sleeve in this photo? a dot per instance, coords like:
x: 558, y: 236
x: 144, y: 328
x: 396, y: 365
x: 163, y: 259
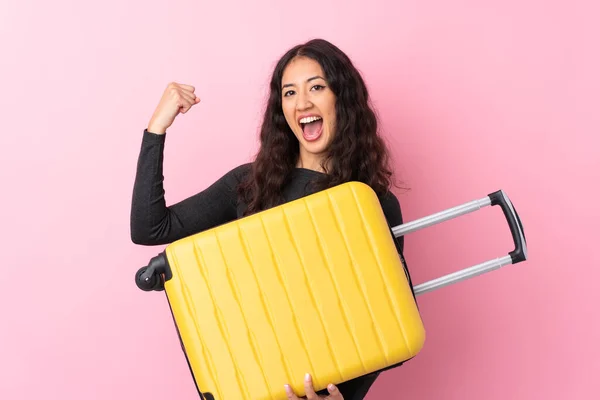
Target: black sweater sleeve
x: 152, y: 222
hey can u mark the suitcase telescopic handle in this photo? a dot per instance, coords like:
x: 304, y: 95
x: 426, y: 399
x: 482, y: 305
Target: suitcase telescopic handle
x: 498, y: 198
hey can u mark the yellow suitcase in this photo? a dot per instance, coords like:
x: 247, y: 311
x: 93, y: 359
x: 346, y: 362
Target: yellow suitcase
x: 314, y: 285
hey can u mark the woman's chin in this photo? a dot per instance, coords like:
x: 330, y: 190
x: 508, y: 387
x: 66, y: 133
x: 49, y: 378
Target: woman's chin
x: 315, y: 148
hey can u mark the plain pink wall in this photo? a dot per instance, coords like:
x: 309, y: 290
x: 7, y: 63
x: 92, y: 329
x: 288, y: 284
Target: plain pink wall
x: 461, y: 87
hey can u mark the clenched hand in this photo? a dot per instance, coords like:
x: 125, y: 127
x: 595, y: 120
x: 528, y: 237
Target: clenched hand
x: 176, y: 99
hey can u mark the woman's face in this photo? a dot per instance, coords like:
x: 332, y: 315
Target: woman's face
x: 309, y: 108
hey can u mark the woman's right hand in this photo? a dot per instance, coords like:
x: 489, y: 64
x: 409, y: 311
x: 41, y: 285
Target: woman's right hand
x: 177, y: 98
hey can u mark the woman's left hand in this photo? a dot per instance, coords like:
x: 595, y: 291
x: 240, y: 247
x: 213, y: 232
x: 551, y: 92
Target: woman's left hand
x: 334, y: 393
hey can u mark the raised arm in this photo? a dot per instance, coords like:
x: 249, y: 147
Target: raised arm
x: 152, y: 222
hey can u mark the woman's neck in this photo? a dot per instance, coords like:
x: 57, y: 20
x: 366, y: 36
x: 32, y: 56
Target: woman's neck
x: 310, y: 161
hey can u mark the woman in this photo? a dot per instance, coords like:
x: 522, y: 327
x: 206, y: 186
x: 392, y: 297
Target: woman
x: 318, y: 131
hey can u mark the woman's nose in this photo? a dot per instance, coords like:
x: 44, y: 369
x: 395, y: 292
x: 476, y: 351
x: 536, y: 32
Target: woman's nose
x: 303, y: 102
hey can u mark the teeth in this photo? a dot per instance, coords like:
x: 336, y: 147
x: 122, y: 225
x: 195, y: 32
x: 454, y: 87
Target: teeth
x: 309, y: 119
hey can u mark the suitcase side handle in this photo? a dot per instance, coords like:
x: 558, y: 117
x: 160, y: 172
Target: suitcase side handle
x: 498, y: 198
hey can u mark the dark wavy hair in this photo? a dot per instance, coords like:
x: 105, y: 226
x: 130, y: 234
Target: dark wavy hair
x: 357, y: 152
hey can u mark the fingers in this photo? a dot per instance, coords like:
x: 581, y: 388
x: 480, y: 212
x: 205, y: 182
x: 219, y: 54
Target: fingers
x: 189, y: 88
x: 176, y: 85
x: 334, y: 392
x: 184, y: 105
x: 185, y: 100
x: 308, y: 388
x: 189, y: 96
x: 290, y: 393
x: 183, y: 94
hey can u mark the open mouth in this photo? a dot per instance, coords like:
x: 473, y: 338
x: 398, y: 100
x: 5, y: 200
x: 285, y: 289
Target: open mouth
x: 312, y: 127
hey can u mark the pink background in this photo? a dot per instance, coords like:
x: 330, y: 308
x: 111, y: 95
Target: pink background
x: 460, y: 86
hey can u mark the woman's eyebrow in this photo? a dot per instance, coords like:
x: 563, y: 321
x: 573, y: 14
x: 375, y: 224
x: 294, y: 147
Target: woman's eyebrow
x: 308, y: 80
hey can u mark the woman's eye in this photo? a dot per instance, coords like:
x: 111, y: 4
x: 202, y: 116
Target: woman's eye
x: 318, y: 87
x: 289, y: 93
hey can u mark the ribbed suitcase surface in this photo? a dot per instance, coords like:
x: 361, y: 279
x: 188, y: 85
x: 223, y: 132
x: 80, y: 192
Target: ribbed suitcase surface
x: 315, y: 285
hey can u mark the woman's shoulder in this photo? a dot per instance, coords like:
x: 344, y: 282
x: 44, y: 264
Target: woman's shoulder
x: 241, y: 170
x: 237, y: 174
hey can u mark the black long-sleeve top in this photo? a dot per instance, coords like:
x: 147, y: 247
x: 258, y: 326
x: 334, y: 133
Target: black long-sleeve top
x: 153, y: 222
